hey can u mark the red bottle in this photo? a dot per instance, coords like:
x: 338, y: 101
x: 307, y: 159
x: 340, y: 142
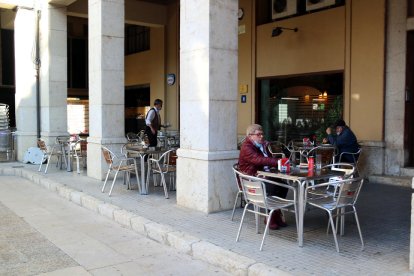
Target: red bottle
x: 311, y: 163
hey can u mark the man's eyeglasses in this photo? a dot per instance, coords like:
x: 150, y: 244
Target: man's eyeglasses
x: 257, y: 134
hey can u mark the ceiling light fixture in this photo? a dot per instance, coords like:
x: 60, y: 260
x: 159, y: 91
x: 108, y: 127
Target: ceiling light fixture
x: 278, y: 30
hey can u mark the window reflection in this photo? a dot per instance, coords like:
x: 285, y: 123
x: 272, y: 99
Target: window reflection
x: 298, y: 107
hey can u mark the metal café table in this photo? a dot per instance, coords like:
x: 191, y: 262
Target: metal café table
x: 141, y: 152
x: 301, y: 177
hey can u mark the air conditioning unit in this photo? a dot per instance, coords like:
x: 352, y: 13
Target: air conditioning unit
x: 318, y: 4
x: 283, y: 8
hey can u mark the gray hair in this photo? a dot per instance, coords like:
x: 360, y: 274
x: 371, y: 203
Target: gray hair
x: 252, y: 128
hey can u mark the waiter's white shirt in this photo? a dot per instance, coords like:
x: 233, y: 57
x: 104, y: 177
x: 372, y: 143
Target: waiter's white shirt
x: 151, y: 115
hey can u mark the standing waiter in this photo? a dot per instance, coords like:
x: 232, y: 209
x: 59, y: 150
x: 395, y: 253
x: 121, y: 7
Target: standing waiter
x: 153, y: 122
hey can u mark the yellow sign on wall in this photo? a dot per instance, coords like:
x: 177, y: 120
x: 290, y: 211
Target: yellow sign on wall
x: 243, y: 88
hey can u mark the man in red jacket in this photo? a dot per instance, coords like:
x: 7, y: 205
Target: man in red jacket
x: 255, y: 156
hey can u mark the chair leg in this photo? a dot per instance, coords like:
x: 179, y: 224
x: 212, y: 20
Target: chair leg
x: 333, y: 231
x: 337, y: 217
x: 359, y: 228
x: 148, y: 174
x: 234, y: 206
x: 296, y: 218
x: 155, y: 180
x: 77, y: 165
x: 48, y: 161
x: 127, y: 177
x: 256, y: 218
x: 164, y: 185
x: 266, y: 229
x: 172, y: 181
x: 113, y: 182
x: 106, y: 179
x: 241, y: 222
x: 137, y: 176
x: 41, y: 162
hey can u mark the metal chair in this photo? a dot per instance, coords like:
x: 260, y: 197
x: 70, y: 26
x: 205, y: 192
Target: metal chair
x: 161, y: 166
x: 277, y: 149
x: 118, y: 164
x: 254, y: 191
x: 63, y: 142
x: 239, y: 187
x: 298, y: 152
x: 354, y: 155
x: 48, y: 152
x: 332, y: 188
x: 132, y: 137
x: 327, y: 153
x: 345, y: 198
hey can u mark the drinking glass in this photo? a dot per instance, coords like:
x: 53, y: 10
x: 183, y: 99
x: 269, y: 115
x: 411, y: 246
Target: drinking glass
x: 318, y: 162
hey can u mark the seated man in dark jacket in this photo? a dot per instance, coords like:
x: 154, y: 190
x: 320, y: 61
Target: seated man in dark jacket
x: 345, y: 141
x: 255, y: 156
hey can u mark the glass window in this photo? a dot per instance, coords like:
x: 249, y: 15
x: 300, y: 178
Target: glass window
x: 300, y: 106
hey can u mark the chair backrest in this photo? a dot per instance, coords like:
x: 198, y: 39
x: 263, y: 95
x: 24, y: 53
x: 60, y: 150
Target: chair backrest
x: 349, y: 191
x: 294, y: 144
x: 132, y: 137
x: 108, y: 155
x: 240, y: 143
x: 141, y: 134
x: 327, y: 153
x: 253, y: 190
x: 172, y: 158
x: 276, y: 148
x: 163, y: 162
x: 354, y: 155
x: 347, y: 168
x: 41, y: 145
x: 62, y: 139
x: 236, y: 169
x: 165, y: 157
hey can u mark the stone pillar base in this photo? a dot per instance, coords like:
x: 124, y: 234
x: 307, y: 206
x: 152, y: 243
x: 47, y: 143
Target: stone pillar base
x: 205, y: 180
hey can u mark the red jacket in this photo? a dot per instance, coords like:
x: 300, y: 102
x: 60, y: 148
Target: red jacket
x: 251, y: 158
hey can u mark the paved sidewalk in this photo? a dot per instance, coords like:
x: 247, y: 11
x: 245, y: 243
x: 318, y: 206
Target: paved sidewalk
x: 41, y: 233
x: 384, y: 215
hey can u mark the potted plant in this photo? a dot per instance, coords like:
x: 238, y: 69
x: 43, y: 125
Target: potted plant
x: 334, y: 113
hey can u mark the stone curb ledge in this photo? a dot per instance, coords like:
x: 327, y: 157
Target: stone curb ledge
x: 232, y: 262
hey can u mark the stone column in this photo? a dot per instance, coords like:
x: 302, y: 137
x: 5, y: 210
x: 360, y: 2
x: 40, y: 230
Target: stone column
x: 53, y: 72
x: 24, y: 37
x: 106, y: 81
x: 395, y: 86
x: 208, y: 126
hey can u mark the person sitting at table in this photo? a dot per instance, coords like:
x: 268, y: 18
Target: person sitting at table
x: 255, y: 156
x: 345, y: 141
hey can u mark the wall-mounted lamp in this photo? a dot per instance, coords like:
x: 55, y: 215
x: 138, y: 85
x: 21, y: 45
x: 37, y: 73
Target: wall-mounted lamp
x: 278, y: 30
